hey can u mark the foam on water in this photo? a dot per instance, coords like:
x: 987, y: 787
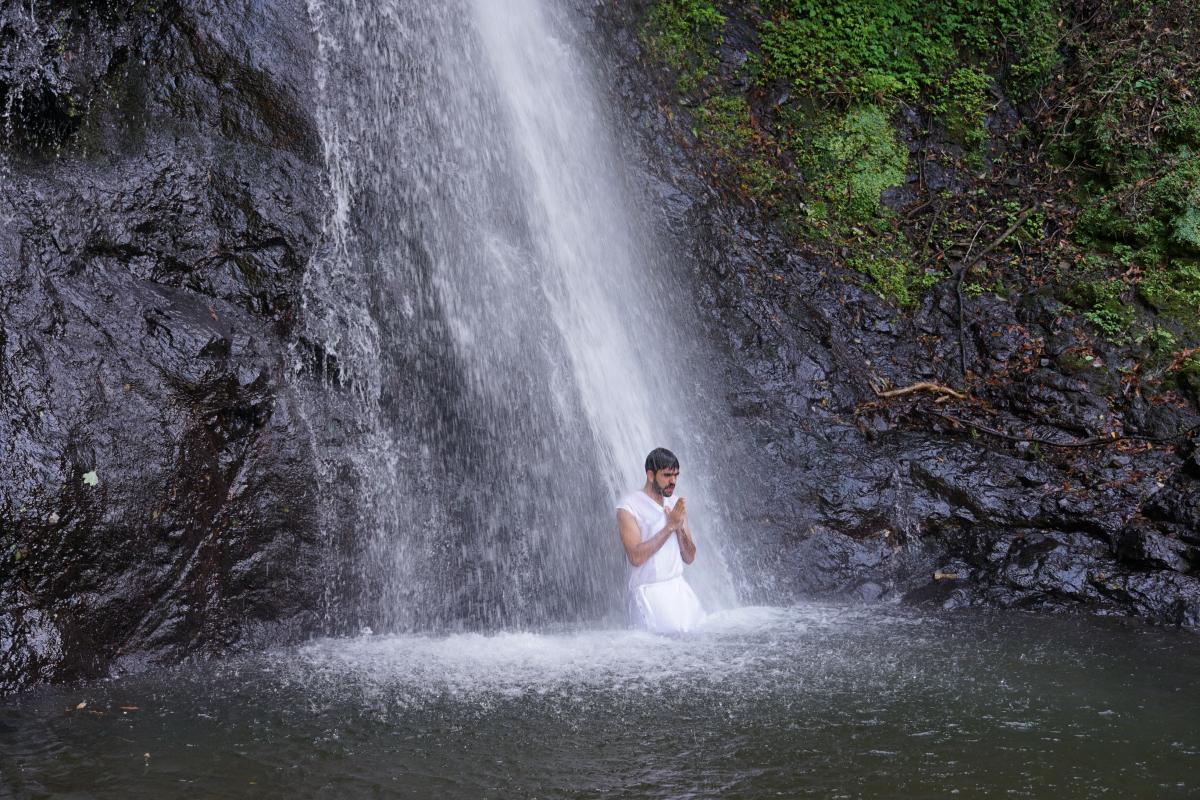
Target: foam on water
x: 762, y: 645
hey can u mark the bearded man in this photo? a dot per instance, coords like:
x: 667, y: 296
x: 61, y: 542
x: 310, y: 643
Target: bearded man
x: 653, y: 526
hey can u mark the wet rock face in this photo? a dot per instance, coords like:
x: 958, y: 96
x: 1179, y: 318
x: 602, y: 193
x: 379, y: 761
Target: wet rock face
x: 978, y: 511
x: 163, y: 194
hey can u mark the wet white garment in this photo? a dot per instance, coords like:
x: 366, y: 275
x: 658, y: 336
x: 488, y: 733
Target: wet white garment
x: 660, y: 599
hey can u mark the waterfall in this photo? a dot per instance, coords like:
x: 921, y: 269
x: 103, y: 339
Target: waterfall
x: 505, y: 325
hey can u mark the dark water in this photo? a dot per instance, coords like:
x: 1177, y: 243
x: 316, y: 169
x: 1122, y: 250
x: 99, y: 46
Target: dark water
x: 812, y: 701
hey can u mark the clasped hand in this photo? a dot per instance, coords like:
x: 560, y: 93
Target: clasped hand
x: 677, y: 515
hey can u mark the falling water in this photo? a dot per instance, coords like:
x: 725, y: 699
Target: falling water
x: 504, y: 323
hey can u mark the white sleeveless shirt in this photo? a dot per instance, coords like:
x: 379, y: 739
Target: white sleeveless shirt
x: 651, y: 518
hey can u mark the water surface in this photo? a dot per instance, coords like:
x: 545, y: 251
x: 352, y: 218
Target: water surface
x: 809, y: 701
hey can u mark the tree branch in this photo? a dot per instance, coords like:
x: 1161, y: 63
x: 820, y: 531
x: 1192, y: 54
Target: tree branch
x: 922, y: 386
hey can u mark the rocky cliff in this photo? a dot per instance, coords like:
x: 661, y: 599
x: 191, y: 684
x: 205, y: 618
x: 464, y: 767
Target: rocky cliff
x: 962, y: 381
x: 163, y: 193
x: 1000, y: 445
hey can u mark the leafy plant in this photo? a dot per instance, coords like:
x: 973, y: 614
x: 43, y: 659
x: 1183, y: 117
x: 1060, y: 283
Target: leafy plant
x: 963, y: 105
x: 895, y: 278
x: 685, y: 34
x: 853, y: 159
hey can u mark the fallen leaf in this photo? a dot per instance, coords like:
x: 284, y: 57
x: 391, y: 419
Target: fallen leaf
x: 129, y: 708
x: 81, y: 706
x: 91, y: 478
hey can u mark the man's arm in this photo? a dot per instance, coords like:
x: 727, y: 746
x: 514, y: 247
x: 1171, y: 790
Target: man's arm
x: 637, y: 551
x: 687, y: 545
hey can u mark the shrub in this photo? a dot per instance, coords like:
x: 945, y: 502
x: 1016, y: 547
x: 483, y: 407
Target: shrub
x: 963, y: 105
x: 854, y: 159
x: 684, y: 34
x: 895, y: 278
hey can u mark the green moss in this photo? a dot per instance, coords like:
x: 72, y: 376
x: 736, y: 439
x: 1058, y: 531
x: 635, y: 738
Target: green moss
x: 1151, y: 227
x: 963, y: 105
x: 1158, y: 213
x: 903, y: 48
x: 1182, y: 126
x: 894, y: 276
x: 1174, y: 292
x: 1187, y: 374
x: 805, y: 128
x: 723, y: 123
x: 685, y: 35
x: 853, y: 159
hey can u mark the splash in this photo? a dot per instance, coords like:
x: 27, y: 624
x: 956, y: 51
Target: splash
x: 502, y: 322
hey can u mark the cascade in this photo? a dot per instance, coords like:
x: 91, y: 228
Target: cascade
x: 508, y: 325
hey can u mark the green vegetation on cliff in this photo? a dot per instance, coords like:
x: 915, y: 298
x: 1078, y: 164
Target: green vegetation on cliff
x: 899, y: 137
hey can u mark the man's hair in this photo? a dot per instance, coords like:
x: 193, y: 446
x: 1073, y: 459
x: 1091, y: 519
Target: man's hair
x: 661, y: 458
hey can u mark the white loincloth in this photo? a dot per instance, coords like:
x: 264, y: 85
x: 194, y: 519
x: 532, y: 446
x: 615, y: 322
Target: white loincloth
x: 668, y: 606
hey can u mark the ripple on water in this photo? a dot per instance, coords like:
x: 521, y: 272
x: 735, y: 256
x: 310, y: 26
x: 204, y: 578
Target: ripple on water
x: 814, y: 700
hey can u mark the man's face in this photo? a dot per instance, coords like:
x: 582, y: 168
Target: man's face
x: 663, y: 481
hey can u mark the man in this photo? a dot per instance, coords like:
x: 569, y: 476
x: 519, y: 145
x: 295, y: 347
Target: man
x: 653, y: 526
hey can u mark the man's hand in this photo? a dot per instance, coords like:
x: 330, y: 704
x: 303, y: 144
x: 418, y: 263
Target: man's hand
x: 677, y: 516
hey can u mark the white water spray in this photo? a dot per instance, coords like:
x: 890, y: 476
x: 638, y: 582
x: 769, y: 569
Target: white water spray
x: 514, y: 352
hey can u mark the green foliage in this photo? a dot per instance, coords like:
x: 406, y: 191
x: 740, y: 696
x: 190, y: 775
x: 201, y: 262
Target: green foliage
x: 724, y: 121
x: 1161, y: 341
x: 855, y: 49
x: 1188, y: 374
x: 1030, y: 31
x: 1135, y: 141
x: 1112, y: 320
x: 903, y: 48
x: 1182, y: 126
x: 1100, y: 298
x: 853, y: 159
x: 685, y: 34
x: 724, y: 125
x: 895, y: 277
x: 1156, y: 214
x: 1174, y: 291
x: 963, y: 105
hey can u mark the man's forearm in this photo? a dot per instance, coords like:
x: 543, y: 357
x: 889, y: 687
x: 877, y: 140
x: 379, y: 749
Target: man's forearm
x: 651, y: 546
x: 687, y: 545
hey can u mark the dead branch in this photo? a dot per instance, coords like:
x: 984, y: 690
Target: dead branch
x: 922, y: 386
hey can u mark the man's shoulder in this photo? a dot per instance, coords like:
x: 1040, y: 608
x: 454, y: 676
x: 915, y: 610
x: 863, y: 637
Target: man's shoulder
x: 637, y: 502
x: 629, y: 500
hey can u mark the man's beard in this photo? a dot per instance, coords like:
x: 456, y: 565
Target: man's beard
x: 662, y: 491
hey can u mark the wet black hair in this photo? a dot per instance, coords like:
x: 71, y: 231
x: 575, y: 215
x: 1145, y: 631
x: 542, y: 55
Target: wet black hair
x: 661, y: 458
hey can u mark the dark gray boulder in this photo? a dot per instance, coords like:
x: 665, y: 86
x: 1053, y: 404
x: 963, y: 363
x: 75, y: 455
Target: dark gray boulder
x: 163, y: 194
